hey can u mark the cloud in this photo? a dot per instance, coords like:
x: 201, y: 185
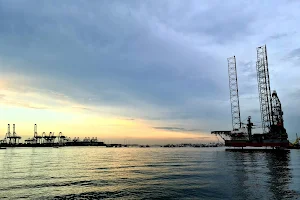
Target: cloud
x: 81, y: 108
x: 123, y: 83
x: 170, y: 128
x: 130, y: 119
x: 294, y: 54
x: 193, y: 138
x: 178, y: 129
x: 278, y: 36
x: 23, y: 104
x: 151, y: 60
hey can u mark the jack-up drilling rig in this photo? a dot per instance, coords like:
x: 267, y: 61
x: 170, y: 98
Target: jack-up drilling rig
x: 274, y: 134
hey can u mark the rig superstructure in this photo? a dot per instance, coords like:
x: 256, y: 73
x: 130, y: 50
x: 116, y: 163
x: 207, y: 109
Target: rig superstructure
x: 274, y: 134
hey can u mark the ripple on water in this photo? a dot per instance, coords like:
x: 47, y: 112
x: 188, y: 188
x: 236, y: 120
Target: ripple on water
x: 155, y: 173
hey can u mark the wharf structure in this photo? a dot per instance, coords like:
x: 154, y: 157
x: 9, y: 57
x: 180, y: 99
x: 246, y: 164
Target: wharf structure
x: 46, y: 140
x: 274, y: 133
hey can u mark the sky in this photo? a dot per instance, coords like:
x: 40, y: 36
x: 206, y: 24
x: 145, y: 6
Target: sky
x: 142, y: 71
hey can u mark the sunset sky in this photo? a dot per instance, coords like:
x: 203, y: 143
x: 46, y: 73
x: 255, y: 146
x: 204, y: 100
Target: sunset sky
x: 144, y: 71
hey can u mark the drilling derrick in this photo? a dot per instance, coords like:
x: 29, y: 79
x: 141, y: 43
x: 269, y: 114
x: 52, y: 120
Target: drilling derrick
x: 264, y: 88
x: 234, y: 94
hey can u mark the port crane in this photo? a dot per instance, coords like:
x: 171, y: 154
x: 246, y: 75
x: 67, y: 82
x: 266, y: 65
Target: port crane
x: 274, y: 134
x: 11, y: 139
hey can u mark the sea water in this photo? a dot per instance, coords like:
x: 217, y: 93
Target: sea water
x: 147, y: 173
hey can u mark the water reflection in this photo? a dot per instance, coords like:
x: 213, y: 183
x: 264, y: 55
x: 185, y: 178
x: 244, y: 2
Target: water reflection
x: 154, y: 173
x: 262, y: 175
x: 240, y: 177
x: 279, y: 175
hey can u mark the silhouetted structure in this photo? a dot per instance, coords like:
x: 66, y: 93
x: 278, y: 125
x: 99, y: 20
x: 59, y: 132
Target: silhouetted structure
x: 37, y: 138
x: 14, y: 138
x: 274, y: 134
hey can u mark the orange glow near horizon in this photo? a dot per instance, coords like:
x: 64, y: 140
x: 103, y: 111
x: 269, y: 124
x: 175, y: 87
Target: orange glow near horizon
x: 59, y: 115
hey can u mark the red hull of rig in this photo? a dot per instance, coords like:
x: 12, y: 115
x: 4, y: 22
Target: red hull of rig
x: 274, y: 134
x: 230, y: 143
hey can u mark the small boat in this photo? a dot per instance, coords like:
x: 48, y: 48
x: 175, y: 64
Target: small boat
x: 2, y: 147
x: 55, y: 146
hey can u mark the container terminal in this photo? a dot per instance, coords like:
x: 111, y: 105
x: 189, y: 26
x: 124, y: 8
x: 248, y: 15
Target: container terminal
x: 46, y: 140
x: 273, y: 134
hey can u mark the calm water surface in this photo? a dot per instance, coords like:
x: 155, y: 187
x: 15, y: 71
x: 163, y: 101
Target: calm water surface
x: 147, y: 173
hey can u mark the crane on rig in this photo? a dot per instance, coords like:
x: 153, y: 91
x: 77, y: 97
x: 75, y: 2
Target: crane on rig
x: 274, y: 134
x: 296, y: 144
